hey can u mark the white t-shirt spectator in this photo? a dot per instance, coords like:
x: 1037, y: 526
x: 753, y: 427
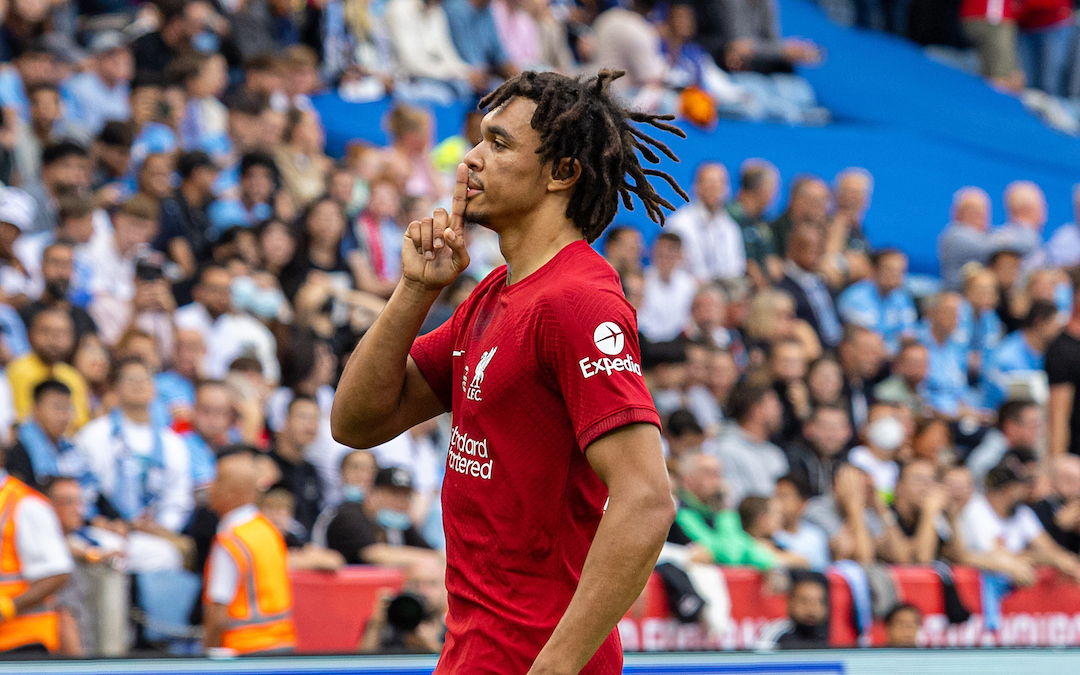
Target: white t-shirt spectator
x: 39, y: 541
x: 324, y: 453
x: 665, y: 308
x: 983, y: 529
x: 626, y: 41
x: 230, y: 337
x: 102, y: 449
x: 751, y: 467
x: 712, y: 244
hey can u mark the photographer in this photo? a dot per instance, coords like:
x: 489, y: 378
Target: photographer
x: 413, y: 622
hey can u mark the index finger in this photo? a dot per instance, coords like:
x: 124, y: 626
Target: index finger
x: 457, y: 209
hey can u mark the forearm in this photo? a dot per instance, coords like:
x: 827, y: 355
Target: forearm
x: 38, y: 591
x: 926, y: 540
x: 1058, y: 410
x: 371, y: 386
x: 863, y: 543
x: 622, y: 556
x: 213, y: 624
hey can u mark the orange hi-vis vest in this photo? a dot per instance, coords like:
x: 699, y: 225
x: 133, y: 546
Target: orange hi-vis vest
x: 37, y: 625
x: 260, y: 616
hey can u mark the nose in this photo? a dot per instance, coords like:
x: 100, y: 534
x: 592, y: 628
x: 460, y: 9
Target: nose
x: 473, y: 158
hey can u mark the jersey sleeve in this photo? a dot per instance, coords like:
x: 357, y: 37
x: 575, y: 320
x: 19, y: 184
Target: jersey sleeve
x: 433, y: 353
x: 589, y: 346
x: 1060, y: 367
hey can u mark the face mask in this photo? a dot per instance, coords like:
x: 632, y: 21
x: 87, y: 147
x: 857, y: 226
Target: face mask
x: 243, y: 291
x: 392, y: 519
x: 886, y: 433
x: 205, y: 42
x: 267, y: 303
x: 352, y: 493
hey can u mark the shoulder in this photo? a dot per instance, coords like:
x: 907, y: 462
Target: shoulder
x: 93, y: 432
x: 582, y: 284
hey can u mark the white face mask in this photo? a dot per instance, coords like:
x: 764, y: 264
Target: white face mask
x: 886, y: 433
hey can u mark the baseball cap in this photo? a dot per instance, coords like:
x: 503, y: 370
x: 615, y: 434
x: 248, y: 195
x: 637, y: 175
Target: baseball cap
x: 394, y: 477
x: 106, y: 42
x: 17, y: 208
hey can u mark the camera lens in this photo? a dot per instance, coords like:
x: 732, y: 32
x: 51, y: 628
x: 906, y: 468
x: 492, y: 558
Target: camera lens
x: 406, y: 612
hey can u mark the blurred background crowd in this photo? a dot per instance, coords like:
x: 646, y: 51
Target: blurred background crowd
x: 184, y: 270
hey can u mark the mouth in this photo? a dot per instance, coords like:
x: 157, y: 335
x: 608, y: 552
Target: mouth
x: 473, y: 187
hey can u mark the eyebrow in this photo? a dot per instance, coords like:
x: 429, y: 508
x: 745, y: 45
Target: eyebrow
x: 496, y: 130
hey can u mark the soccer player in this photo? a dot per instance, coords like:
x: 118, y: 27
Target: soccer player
x: 541, y: 369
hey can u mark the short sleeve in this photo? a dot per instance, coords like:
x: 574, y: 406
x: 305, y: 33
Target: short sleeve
x: 1029, y: 522
x: 223, y: 576
x: 433, y: 353
x: 1060, y: 364
x: 589, y: 345
x: 349, y: 533
x: 39, y: 540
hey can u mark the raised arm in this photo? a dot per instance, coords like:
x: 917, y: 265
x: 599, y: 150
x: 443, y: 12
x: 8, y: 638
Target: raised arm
x: 640, y: 510
x: 382, y: 392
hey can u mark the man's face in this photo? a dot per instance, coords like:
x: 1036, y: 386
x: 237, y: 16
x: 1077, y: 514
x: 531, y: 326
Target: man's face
x: 807, y: 246
x: 788, y: 362
x: 811, y: 201
x: 789, y: 502
x: 1066, y: 480
x: 1025, y: 432
x: 116, y: 65
x: 915, y: 483
x: 711, y: 186
x: 66, y: 500
x: 212, y: 415
x: 666, y: 256
x: 806, y: 606
x: 912, y: 364
x: 190, y: 351
x: 54, y: 412
x: 359, y: 469
x: 213, y: 292
x: 67, y: 175
x: 115, y: 158
x: 79, y: 230
x: 890, y: 273
x: 155, y: 176
x: 829, y: 431
x: 851, y: 194
x: 135, y: 386
x: 132, y: 231
x: 625, y: 249
x: 772, y: 413
x: 869, y: 353
x: 303, y: 423
x: 45, y: 108
x: 203, y: 178
x: 384, y: 201
x: 506, y: 177
x: 706, y: 482
x: 57, y: 265
x: 903, y: 631
x: 427, y: 579
x: 36, y: 68
x: 52, y: 337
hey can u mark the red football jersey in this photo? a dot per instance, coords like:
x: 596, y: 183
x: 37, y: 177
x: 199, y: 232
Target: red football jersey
x: 533, y: 373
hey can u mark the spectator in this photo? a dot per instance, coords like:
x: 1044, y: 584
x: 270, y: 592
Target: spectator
x: 1063, y: 372
x: 991, y: 27
x: 378, y: 530
x: 185, y: 225
x: 760, y: 518
x: 825, y: 380
x: 882, y: 437
x: 926, y: 517
x: 882, y: 303
x: 669, y: 291
x: 16, y: 215
x: 965, y: 239
x: 857, y: 522
x: 1059, y: 512
x: 1005, y: 535
x: 42, y: 565
x: 708, y: 312
x: 300, y: 159
x: 978, y: 316
x: 227, y: 333
x: 318, y: 254
x: 947, y: 381
x: 795, y: 534
x: 101, y: 92
x: 808, y: 200
x: 787, y: 368
x: 357, y: 473
x: 75, y: 225
x: 1021, y: 354
x: 248, y: 565
x: 826, y: 433
x: 143, y: 469
x: 862, y: 359
x: 902, y: 626
x: 46, y: 126
x: 1043, y: 43
x: 758, y: 182
x: 476, y: 37
x: 751, y: 31
x: 31, y: 65
x: 176, y: 386
x: 211, y: 427
x: 258, y: 179
x: 52, y: 340
x: 807, y: 626
x: 623, y: 248
x: 1063, y: 247
x: 204, y: 118
x: 907, y: 384
x: 751, y: 462
x: 713, y: 243
x: 425, y: 51
x: 1025, y: 210
x: 112, y: 163
x: 703, y: 522
x: 423, y: 585
x: 43, y: 448
x: 802, y: 280
x: 299, y: 476
x: 65, y: 172
x: 847, y: 248
x: 772, y: 317
x: 180, y: 22
x: 1019, y: 427
x: 113, y: 259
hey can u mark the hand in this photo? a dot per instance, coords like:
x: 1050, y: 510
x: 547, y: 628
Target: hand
x: 936, y: 500
x: 1068, y: 516
x: 1070, y: 567
x: 700, y: 554
x: 798, y: 395
x: 739, y: 53
x: 434, y: 252
x: 801, y: 51
x: 116, y: 526
x: 850, y: 488
x: 1022, y: 572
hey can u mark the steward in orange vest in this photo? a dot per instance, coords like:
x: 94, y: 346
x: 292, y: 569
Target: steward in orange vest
x: 247, y: 607
x: 32, y: 568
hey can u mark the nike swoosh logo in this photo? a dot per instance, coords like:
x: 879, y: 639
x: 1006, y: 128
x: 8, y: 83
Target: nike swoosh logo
x: 458, y: 353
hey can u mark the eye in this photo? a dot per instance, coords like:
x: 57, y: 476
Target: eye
x: 498, y: 144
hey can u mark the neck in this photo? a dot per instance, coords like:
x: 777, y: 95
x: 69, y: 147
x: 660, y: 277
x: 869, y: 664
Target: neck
x: 1000, y: 506
x: 939, y: 333
x: 664, y: 274
x: 877, y: 452
x: 289, y: 450
x: 139, y: 414
x: 754, y: 430
x: 191, y: 193
x: 1034, y: 341
x: 711, y: 210
x: 529, y: 245
x: 907, y: 510
x: 42, y: 129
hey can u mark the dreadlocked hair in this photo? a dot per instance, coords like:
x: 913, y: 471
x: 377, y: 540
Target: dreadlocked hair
x: 577, y: 119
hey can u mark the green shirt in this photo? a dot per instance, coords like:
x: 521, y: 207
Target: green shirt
x: 756, y: 234
x: 721, y: 533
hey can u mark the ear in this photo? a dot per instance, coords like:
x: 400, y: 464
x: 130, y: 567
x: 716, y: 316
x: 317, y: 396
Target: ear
x: 564, y: 175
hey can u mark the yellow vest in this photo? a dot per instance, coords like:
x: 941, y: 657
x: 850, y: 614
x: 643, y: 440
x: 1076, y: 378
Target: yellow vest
x: 260, y: 616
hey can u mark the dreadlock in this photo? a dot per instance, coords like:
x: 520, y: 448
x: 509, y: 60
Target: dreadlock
x: 577, y: 119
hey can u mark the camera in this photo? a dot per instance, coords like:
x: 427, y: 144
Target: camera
x: 406, y: 611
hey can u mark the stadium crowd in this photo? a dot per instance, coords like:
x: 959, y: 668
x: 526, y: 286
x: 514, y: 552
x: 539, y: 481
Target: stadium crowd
x: 183, y: 271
